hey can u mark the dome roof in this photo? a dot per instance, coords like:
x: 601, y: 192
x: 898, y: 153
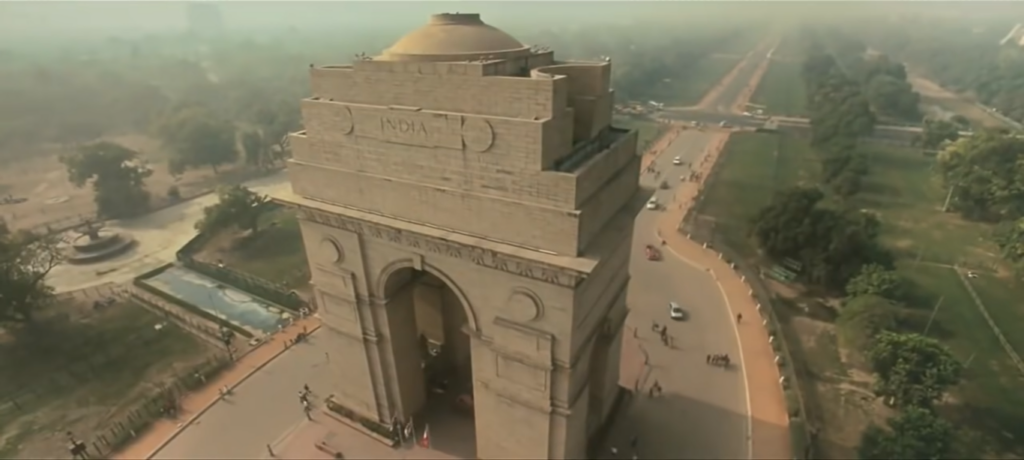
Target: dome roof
x: 453, y: 34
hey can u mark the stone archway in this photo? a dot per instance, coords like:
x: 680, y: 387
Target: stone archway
x: 429, y: 327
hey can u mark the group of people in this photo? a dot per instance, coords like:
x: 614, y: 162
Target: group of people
x: 307, y: 407
x: 719, y: 359
x: 662, y: 331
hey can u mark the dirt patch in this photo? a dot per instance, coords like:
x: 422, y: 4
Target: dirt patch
x: 839, y: 393
x: 39, y: 176
x: 932, y: 93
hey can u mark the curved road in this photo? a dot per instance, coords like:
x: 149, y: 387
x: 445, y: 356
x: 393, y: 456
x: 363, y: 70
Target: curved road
x: 703, y: 412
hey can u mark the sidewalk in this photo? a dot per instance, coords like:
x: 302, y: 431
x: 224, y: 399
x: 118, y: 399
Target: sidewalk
x: 768, y: 410
x: 198, y: 402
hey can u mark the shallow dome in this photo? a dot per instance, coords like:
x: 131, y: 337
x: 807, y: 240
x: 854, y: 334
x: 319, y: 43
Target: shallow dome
x: 453, y: 35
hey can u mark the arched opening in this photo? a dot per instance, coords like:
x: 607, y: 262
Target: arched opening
x: 429, y: 331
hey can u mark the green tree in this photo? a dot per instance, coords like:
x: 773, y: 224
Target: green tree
x: 25, y: 261
x: 876, y: 280
x: 257, y: 150
x: 985, y: 175
x: 117, y: 178
x: 831, y: 245
x: 237, y: 207
x: 276, y: 121
x: 894, y: 98
x: 198, y: 139
x: 913, y: 370
x: 915, y: 433
x: 937, y: 132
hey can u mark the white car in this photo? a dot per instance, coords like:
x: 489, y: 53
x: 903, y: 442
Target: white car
x: 676, y: 312
x: 724, y: 124
x: 652, y: 204
x: 677, y: 161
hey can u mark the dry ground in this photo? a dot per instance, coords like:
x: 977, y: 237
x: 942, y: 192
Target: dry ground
x: 98, y: 367
x: 39, y: 176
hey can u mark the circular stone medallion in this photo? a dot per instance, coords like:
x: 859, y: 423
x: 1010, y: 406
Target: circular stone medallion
x: 477, y: 134
x: 330, y: 252
x: 345, y: 123
x: 522, y: 306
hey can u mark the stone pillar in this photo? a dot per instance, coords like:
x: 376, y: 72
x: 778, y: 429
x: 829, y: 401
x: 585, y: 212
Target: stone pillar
x: 407, y: 382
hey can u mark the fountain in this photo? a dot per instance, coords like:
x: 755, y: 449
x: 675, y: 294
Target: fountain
x: 95, y: 243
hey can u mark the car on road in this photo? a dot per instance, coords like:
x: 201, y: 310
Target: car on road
x: 676, y: 312
x: 972, y: 275
x: 652, y: 204
x: 724, y: 124
x: 677, y: 161
x: 652, y: 252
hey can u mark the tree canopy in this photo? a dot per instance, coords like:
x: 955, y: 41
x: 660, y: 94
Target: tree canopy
x: 237, y: 207
x: 117, y: 178
x: 915, y: 433
x: 876, y: 280
x: 986, y: 175
x: 913, y: 370
x: 25, y: 260
x: 832, y: 245
x: 198, y: 139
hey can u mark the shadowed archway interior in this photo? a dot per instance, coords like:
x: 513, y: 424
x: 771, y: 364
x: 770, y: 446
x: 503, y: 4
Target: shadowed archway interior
x: 429, y: 332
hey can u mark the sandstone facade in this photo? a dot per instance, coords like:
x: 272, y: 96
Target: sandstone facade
x: 489, y: 165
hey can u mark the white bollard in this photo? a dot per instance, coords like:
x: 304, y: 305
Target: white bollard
x: 751, y: 293
x: 743, y: 278
x: 764, y: 322
x: 777, y: 359
x: 771, y: 339
x: 782, y: 380
x: 719, y: 256
x: 705, y: 245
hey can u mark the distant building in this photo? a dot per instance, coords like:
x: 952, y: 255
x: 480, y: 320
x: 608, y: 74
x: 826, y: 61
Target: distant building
x: 204, y: 19
x: 1015, y: 37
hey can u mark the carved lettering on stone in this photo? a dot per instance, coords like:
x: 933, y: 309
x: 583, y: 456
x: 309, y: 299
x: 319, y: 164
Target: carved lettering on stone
x: 397, y: 128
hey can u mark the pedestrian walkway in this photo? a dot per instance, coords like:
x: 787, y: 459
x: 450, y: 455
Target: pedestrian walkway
x: 768, y: 410
x: 196, y: 403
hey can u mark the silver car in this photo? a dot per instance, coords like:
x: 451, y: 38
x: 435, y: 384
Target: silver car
x: 676, y: 312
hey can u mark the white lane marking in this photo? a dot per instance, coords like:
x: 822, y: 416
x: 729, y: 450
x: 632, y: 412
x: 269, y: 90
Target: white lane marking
x: 736, y: 331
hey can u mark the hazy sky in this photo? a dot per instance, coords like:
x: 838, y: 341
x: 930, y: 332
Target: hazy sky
x: 62, y: 18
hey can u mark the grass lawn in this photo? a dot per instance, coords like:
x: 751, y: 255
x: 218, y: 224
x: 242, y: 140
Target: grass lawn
x: 688, y: 89
x: 782, y: 90
x: 1004, y: 299
x: 989, y: 400
x: 83, y: 370
x: 647, y: 130
x: 275, y: 253
x: 902, y: 189
x: 752, y: 168
x: 908, y: 196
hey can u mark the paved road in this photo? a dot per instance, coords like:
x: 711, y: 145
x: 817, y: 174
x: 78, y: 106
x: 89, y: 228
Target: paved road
x: 703, y: 412
x: 259, y: 412
x: 159, y: 236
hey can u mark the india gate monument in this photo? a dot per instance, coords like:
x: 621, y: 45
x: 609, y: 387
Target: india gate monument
x: 467, y: 209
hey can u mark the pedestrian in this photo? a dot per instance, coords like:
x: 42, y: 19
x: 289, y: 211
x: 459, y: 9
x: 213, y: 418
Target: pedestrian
x: 615, y: 452
x: 708, y: 360
x: 270, y: 450
x: 306, y: 388
x: 307, y: 410
x: 739, y: 317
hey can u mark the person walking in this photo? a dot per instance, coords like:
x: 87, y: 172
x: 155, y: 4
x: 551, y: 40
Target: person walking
x: 739, y: 318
